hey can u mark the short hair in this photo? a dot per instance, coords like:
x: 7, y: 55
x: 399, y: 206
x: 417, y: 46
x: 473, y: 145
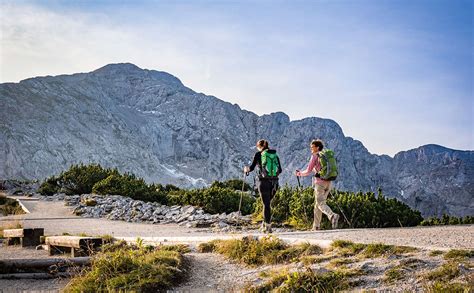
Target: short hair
x: 318, y: 143
x: 263, y: 144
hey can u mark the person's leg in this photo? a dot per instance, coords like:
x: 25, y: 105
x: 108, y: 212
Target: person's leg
x: 317, y: 212
x: 321, y: 197
x: 265, y: 189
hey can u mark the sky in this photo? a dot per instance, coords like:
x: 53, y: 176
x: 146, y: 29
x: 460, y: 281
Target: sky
x: 393, y: 74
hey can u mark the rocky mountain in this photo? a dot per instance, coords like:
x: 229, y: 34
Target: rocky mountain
x: 147, y: 122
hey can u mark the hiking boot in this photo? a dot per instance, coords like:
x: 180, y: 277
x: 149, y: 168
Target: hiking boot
x: 315, y: 228
x: 268, y: 228
x: 334, y: 220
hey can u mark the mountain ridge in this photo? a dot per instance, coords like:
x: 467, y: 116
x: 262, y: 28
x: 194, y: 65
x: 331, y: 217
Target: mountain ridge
x: 149, y: 123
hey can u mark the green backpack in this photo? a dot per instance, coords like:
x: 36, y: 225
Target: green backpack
x: 269, y: 164
x: 328, y: 165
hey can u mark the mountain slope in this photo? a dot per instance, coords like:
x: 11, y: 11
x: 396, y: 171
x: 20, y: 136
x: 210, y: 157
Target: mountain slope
x: 147, y: 122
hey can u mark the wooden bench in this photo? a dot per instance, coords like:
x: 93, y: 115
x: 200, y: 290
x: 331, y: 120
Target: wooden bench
x: 77, y: 245
x: 26, y: 237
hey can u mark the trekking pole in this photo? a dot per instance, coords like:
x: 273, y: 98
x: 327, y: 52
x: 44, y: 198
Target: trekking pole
x: 302, y: 199
x: 242, y: 193
x: 342, y: 212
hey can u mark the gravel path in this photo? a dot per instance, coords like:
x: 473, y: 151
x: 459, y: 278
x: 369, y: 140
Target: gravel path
x: 56, y: 219
x: 212, y: 272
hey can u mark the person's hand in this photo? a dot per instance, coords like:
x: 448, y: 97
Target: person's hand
x: 246, y: 169
x: 297, y: 173
x: 317, y: 175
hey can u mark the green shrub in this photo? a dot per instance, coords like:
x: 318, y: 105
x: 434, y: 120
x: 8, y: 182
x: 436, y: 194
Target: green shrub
x: 49, y: 186
x: 363, y: 210
x: 213, y: 200
x: 80, y: 179
x: 447, y: 220
x: 131, y: 186
x: 234, y: 184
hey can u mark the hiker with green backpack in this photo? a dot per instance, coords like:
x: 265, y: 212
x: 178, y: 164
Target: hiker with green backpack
x: 323, y: 163
x: 269, y: 168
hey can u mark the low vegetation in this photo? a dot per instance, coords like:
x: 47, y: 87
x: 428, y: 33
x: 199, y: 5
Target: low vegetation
x: 124, y: 268
x: 290, y: 207
x: 254, y: 252
x: 9, y: 206
x: 308, y: 268
x: 349, y: 248
x: 459, y: 254
x: 447, y: 220
x: 307, y: 281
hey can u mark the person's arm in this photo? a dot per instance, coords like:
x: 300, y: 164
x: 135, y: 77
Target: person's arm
x: 309, y: 169
x: 256, y: 160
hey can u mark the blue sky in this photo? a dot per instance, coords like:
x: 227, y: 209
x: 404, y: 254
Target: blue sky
x: 393, y: 74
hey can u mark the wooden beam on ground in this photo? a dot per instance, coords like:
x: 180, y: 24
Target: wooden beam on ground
x: 32, y: 265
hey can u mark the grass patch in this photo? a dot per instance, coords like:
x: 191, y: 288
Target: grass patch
x: 445, y: 273
x: 394, y: 274
x: 207, y: 247
x: 338, y: 262
x: 181, y: 248
x: 9, y: 206
x: 400, y: 271
x: 436, y: 253
x: 349, y: 248
x: 255, y: 252
x: 459, y: 254
x: 308, y: 281
x: 120, y: 267
x: 442, y: 287
x: 313, y: 259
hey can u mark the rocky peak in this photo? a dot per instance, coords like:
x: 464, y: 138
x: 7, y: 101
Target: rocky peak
x: 148, y: 123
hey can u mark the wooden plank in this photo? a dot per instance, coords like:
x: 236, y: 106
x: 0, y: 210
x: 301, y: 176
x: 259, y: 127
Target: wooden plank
x: 12, y: 233
x: 31, y: 265
x: 72, y: 241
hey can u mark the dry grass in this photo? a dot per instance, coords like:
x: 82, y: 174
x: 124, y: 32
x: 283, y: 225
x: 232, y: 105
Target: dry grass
x: 14, y: 224
x: 254, y: 252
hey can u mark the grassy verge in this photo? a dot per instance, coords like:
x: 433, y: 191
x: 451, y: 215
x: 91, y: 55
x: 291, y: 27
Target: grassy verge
x: 253, y: 252
x: 9, y: 206
x: 123, y: 268
x: 349, y: 248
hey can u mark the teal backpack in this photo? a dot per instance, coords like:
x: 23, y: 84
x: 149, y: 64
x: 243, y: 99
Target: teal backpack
x: 328, y: 165
x: 269, y: 164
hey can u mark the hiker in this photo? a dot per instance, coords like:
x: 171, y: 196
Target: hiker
x: 269, y: 168
x: 321, y: 187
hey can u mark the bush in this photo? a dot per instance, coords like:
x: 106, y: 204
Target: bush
x: 363, y: 210
x: 234, y: 184
x: 130, y: 186
x: 447, y: 220
x: 80, y: 179
x: 49, y: 186
x: 213, y: 200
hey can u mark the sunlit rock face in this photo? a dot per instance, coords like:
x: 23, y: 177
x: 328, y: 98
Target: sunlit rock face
x: 147, y: 122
